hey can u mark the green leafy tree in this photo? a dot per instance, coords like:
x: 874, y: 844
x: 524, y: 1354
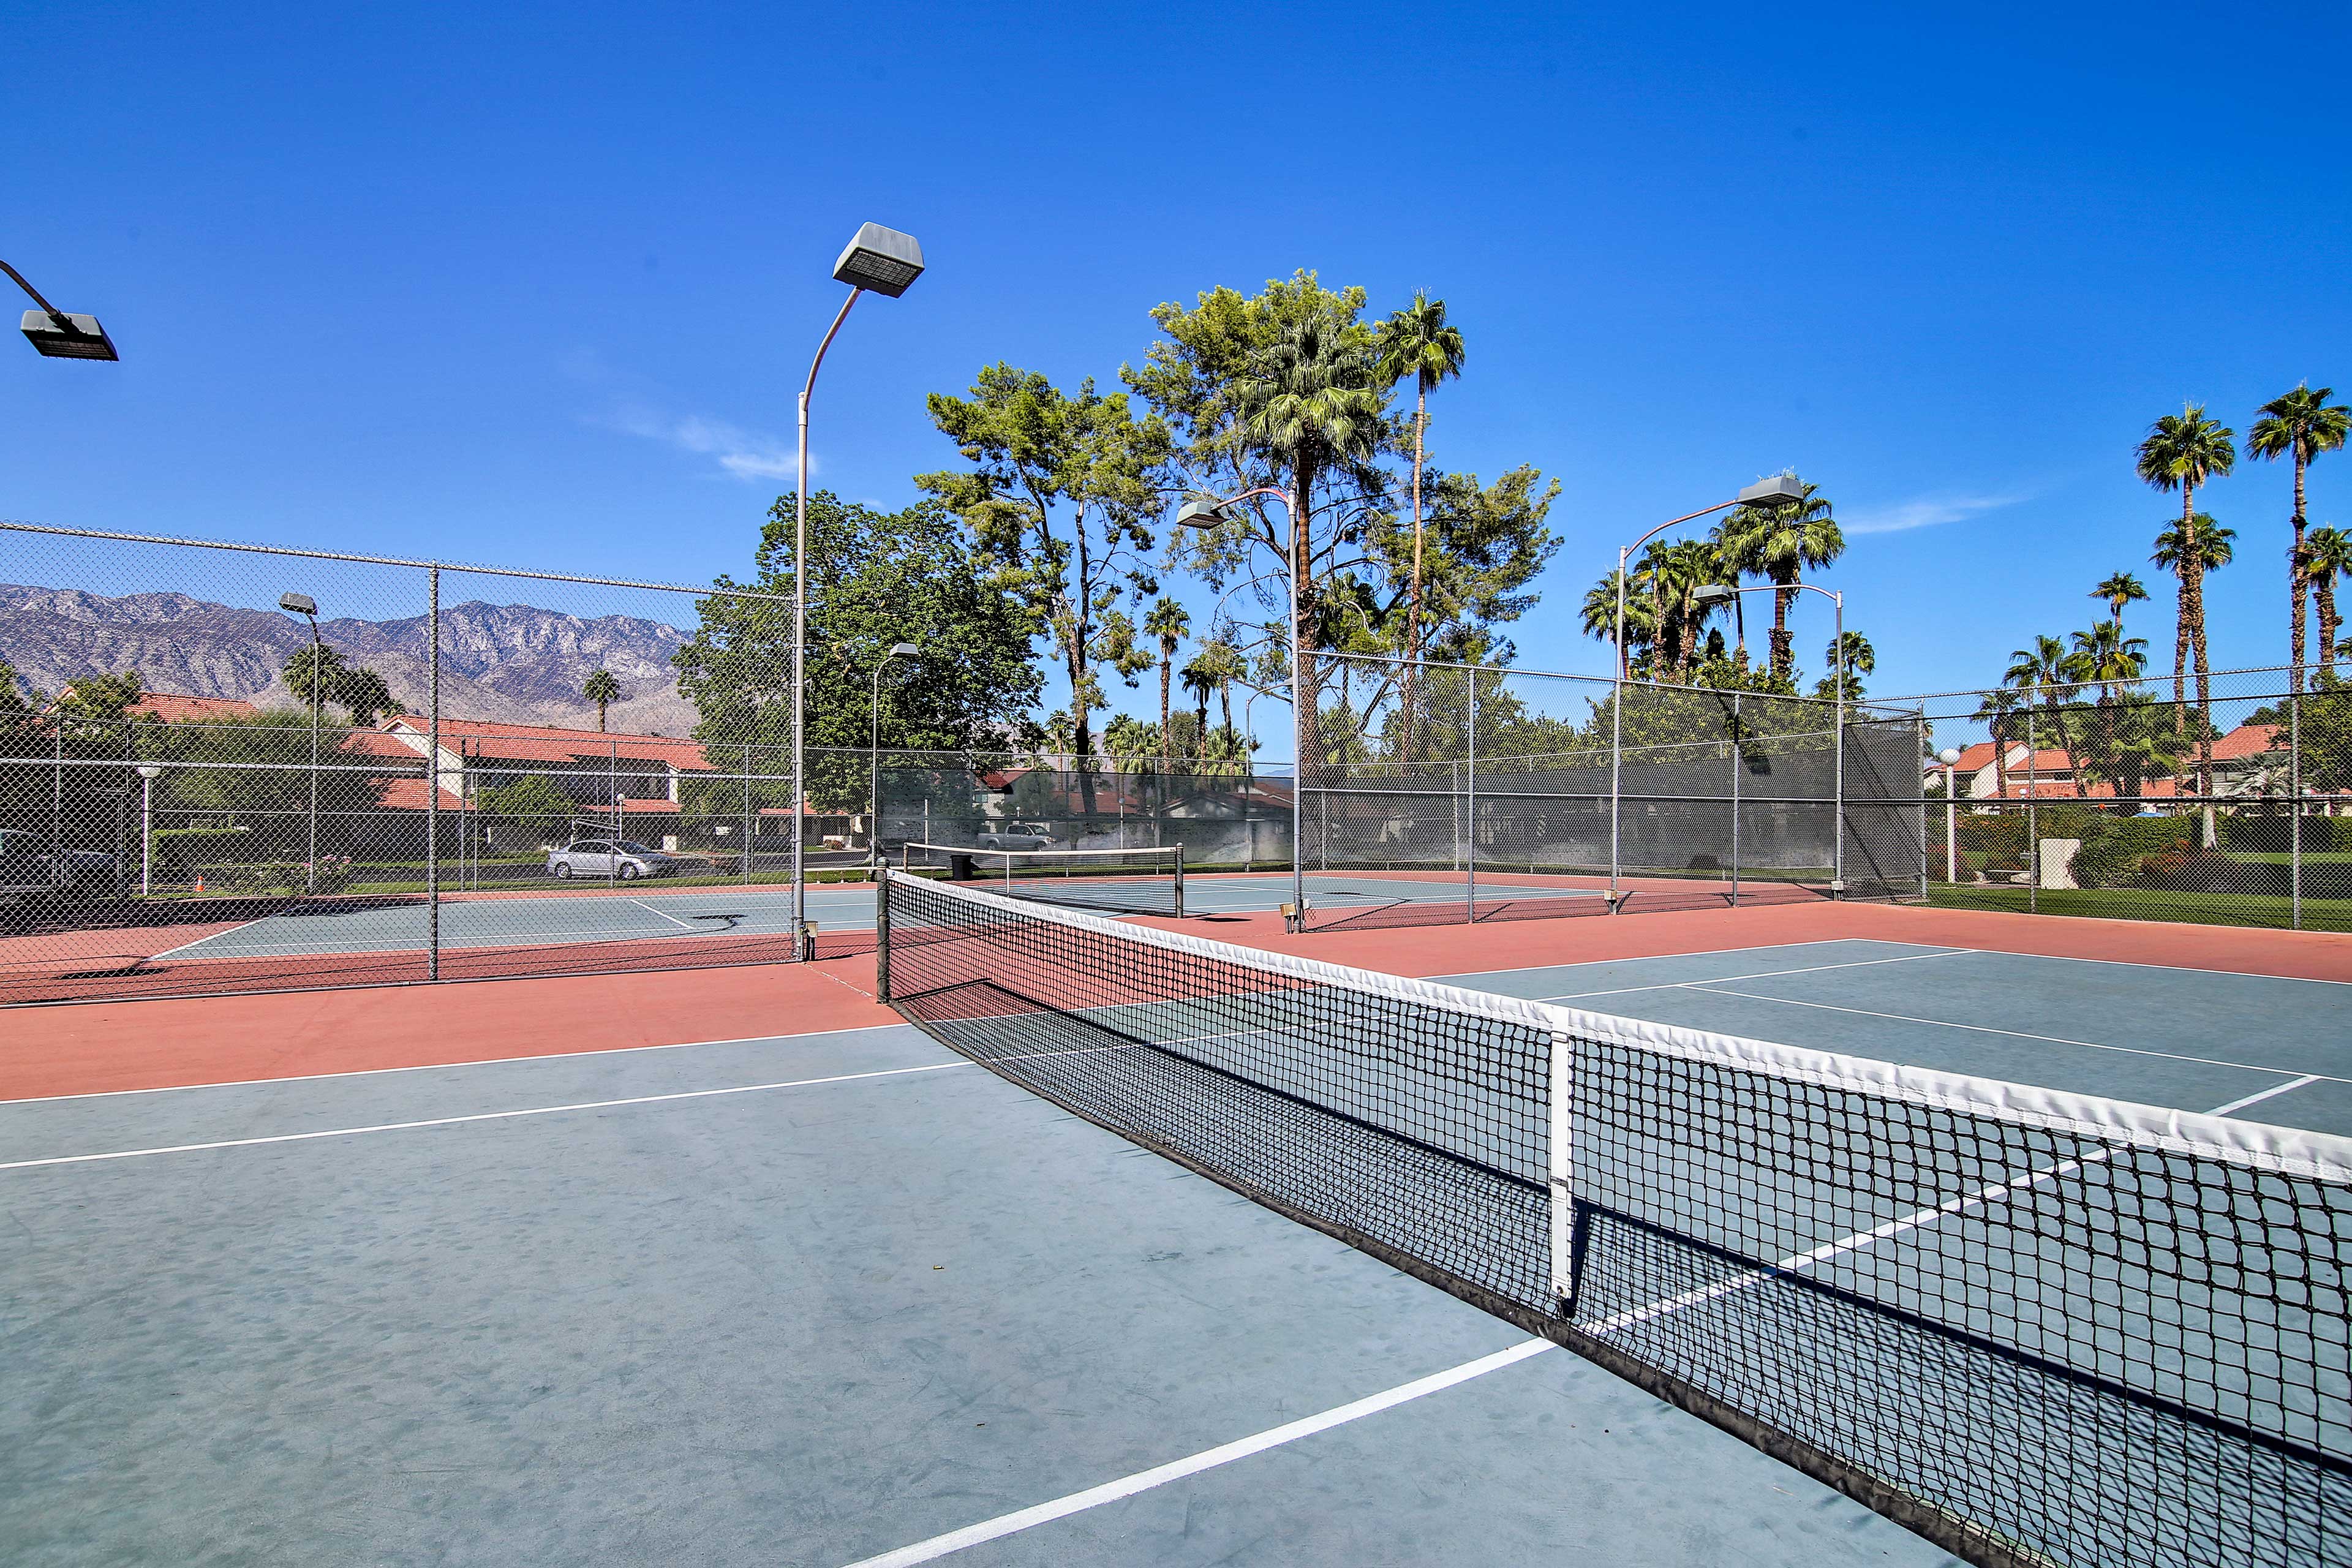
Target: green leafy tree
x: 876, y: 579
x: 2193, y: 550
x: 2298, y: 426
x: 1997, y: 712
x: 317, y: 674
x: 1167, y: 625
x: 1132, y: 743
x: 94, y: 703
x: 603, y: 689
x: 526, y: 811
x: 1060, y: 495
x: 1780, y: 544
x: 1417, y: 341
x: 1283, y: 390
x: 2104, y: 655
x: 364, y: 695
x: 2328, y: 555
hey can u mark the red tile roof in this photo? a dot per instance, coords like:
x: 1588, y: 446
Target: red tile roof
x: 552, y: 743
x: 175, y: 709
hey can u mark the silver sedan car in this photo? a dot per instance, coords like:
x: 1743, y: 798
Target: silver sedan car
x: 622, y: 858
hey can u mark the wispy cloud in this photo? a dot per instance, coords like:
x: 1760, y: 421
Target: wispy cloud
x: 741, y: 452
x: 1925, y: 512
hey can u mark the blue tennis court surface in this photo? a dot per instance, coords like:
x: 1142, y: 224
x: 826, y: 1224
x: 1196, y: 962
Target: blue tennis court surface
x: 847, y: 1298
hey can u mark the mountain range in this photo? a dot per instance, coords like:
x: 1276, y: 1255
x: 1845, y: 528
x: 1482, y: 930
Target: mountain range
x: 513, y: 664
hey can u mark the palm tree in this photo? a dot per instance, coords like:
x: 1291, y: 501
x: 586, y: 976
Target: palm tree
x: 2300, y: 425
x: 1997, y: 712
x: 1416, y: 341
x: 2105, y: 656
x: 1599, y: 618
x: 1168, y: 621
x: 2200, y: 545
x: 1224, y: 664
x: 601, y: 690
x: 2121, y: 588
x: 1199, y: 677
x: 314, y: 673
x: 2327, y: 555
x: 1780, y: 544
x: 2180, y: 452
x: 1860, y: 659
x: 1311, y: 403
x: 2044, y: 666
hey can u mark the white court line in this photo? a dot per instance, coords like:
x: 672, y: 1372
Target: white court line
x: 1207, y: 1460
x: 443, y: 1066
x: 479, y: 1116
x: 1709, y: 952
x: 1719, y: 990
x: 234, y: 928
x: 1761, y: 975
x: 2237, y: 1105
x: 673, y: 919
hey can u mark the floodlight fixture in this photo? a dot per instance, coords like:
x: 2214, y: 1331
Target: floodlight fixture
x: 1199, y: 512
x: 298, y: 604
x: 880, y: 260
x: 1780, y: 490
x: 906, y: 650
x: 56, y: 334
x: 1714, y: 594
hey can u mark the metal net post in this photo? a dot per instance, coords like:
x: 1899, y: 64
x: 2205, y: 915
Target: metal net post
x: 433, y: 775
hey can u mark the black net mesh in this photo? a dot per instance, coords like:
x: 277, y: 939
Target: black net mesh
x: 2033, y: 1337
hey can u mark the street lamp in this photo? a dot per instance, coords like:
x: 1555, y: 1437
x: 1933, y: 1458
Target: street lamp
x: 1718, y: 592
x: 56, y: 334
x: 882, y: 261
x: 874, y: 754
x: 1204, y: 511
x: 1951, y: 756
x: 1778, y: 490
x: 148, y: 772
x: 308, y: 608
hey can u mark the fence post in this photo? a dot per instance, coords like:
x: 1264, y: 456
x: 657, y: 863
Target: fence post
x: 432, y: 773
x: 2033, y: 823
x: 748, y: 823
x: 1470, y: 809
x: 1739, y: 766
x: 2294, y: 808
x: 881, y: 933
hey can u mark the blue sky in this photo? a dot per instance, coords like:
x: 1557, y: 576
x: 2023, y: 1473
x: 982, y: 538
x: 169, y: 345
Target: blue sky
x: 538, y: 285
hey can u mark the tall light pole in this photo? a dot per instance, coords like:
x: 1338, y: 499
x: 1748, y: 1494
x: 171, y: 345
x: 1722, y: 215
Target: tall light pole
x: 56, y: 334
x: 1778, y: 490
x: 1716, y: 594
x: 1201, y: 511
x: 874, y: 752
x: 882, y: 261
x: 1950, y: 757
x: 308, y: 608
x: 147, y: 775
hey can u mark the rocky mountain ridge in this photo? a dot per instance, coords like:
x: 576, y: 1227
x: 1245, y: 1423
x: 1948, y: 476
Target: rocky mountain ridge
x: 502, y: 663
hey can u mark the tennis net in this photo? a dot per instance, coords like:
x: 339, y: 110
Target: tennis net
x: 2036, y: 1328
x: 1139, y: 881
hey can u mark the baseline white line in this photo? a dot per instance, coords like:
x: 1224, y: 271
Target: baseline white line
x: 1763, y: 974
x: 479, y: 1116
x: 2168, y: 968
x: 440, y: 1067
x: 1718, y: 990
x: 1006, y: 1524
x: 234, y: 928
x: 1709, y: 952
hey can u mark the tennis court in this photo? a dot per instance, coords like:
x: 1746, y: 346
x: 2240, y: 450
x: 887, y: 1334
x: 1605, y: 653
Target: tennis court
x: 844, y: 1296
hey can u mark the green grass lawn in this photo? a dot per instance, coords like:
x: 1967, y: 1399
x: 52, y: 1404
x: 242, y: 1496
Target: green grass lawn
x: 2148, y: 904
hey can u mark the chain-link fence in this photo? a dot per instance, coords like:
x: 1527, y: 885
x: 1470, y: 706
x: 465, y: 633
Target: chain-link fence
x: 1453, y: 793
x: 2225, y: 800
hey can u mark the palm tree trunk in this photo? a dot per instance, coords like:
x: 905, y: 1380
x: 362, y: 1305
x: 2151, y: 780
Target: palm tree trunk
x: 1307, y: 720
x: 1784, y: 648
x: 1167, y: 738
x: 2297, y: 576
x: 2323, y: 591
x: 1412, y: 617
x: 2180, y: 622
x: 2000, y: 762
